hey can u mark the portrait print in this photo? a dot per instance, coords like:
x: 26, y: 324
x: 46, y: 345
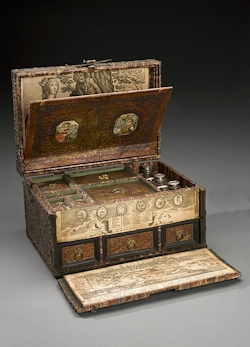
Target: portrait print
x: 50, y: 86
x: 66, y: 131
x: 125, y: 124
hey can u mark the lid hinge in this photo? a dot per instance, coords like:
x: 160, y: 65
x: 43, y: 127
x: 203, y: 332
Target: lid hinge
x: 157, y: 144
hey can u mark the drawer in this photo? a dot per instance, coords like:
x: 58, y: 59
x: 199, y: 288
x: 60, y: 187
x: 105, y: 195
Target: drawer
x: 131, y: 243
x: 182, y: 234
x: 81, y: 252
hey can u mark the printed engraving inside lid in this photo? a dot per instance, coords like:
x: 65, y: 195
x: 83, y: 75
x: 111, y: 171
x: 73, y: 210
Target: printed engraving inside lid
x: 81, y: 83
x: 66, y: 82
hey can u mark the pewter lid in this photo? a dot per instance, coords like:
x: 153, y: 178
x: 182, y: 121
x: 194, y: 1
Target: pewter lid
x: 159, y: 177
x: 174, y: 184
x: 146, y: 168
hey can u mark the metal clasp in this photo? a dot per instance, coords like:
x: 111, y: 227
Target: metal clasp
x: 92, y: 62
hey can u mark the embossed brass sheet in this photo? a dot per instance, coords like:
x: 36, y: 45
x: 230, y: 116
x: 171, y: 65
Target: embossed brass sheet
x: 92, y: 290
x: 98, y: 199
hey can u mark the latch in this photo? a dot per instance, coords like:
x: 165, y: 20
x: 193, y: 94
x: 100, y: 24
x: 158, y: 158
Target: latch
x: 92, y: 63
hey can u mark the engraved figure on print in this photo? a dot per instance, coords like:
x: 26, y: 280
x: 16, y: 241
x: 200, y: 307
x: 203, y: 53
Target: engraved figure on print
x: 50, y: 87
x: 93, y: 82
x: 66, y: 131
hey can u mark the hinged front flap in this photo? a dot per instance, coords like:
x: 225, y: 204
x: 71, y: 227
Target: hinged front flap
x: 95, y: 128
x: 118, y: 284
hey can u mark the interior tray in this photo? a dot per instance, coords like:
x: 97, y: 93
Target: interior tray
x: 103, y: 175
x: 123, y: 189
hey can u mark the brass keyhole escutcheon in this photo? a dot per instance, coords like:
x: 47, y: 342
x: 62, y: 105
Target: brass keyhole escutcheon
x: 78, y: 254
x: 131, y: 244
x: 179, y: 235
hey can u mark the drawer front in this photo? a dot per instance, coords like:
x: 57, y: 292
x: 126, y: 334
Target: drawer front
x: 131, y: 243
x: 78, y: 253
x: 180, y: 233
x: 183, y: 234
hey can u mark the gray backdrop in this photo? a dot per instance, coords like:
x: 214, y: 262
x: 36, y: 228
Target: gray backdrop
x: 204, y: 48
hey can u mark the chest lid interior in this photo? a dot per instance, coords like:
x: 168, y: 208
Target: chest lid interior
x: 97, y: 128
x: 112, y: 112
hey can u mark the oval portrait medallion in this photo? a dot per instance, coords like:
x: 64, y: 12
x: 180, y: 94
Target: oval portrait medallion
x: 160, y: 202
x: 125, y: 124
x: 121, y: 209
x: 178, y: 199
x: 102, y: 212
x: 82, y: 215
x: 141, y: 205
x: 66, y: 131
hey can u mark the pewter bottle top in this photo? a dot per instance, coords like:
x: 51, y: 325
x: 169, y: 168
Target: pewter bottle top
x: 159, y: 178
x: 174, y: 184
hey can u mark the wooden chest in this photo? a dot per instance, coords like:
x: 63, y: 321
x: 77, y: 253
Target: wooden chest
x: 112, y: 222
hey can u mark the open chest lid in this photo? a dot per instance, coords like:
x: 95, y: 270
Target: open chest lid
x: 97, y: 128
x: 117, y: 121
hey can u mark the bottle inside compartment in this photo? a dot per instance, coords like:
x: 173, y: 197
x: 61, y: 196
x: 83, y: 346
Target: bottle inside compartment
x: 76, y: 189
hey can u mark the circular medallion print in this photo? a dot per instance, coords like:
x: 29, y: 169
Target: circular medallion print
x: 178, y: 199
x: 121, y: 209
x: 102, y: 212
x: 160, y: 202
x: 82, y: 215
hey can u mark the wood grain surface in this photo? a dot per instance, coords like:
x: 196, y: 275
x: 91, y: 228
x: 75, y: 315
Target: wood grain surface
x: 130, y: 243
x: 78, y: 253
x: 179, y: 233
